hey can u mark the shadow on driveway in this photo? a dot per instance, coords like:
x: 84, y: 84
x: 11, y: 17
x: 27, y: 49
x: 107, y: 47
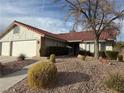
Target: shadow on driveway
x: 18, y: 73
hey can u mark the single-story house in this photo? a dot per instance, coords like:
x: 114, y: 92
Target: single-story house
x: 20, y: 38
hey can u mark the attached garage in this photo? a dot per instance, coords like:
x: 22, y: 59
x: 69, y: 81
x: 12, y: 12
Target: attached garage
x: 27, y: 48
x: 5, y: 49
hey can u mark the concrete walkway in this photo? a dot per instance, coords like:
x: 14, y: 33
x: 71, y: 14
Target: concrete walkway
x: 7, y: 59
x: 11, y: 79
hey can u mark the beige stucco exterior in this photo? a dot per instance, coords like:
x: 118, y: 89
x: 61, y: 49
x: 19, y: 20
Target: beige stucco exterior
x: 30, y: 42
x: 24, y: 34
x: 25, y: 40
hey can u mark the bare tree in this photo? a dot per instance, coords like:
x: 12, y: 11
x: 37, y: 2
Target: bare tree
x: 96, y: 15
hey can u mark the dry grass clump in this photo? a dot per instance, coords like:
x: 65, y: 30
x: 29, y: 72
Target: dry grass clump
x: 115, y: 82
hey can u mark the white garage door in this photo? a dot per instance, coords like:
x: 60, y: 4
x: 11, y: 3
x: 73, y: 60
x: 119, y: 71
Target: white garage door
x: 5, y: 49
x: 27, y: 48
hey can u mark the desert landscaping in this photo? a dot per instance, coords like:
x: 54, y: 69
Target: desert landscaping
x: 76, y: 76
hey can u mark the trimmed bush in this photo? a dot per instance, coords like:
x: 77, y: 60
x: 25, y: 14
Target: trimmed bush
x: 120, y: 58
x: 53, y: 58
x: 112, y: 55
x: 42, y: 75
x: 115, y: 82
x: 56, y: 50
x: 82, y: 57
x: 21, y: 57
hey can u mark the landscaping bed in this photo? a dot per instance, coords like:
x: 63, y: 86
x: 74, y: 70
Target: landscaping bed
x: 10, y: 67
x: 75, y: 76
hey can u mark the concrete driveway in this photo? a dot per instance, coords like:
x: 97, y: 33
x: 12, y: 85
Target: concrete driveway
x: 11, y: 79
x: 4, y: 59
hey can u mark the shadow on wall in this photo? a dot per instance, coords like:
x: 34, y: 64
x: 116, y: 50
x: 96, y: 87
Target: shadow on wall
x: 68, y: 78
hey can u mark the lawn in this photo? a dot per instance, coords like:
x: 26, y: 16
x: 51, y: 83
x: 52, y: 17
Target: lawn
x: 75, y: 76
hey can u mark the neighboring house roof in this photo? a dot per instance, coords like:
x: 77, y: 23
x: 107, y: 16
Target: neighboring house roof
x: 71, y: 36
x: 37, y: 30
x: 88, y: 35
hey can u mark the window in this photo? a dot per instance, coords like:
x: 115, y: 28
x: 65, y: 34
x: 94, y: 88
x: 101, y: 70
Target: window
x: 16, y: 30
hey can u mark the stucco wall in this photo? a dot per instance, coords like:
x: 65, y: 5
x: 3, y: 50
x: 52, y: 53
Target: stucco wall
x: 24, y: 34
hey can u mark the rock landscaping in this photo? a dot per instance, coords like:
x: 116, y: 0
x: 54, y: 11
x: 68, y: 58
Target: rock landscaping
x: 14, y: 66
x: 75, y: 76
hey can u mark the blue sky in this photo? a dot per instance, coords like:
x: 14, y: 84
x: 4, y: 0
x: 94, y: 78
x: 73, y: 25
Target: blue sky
x: 39, y: 13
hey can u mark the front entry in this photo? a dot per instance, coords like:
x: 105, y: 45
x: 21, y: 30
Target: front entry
x: 74, y: 50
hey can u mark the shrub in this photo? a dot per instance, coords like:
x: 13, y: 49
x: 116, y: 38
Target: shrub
x: 102, y: 54
x: 1, y: 69
x: 115, y: 82
x: 21, y: 57
x: 42, y: 75
x: 112, y: 55
x: 82, y: 57
x: 120, y: 58
x: 82, y: 52
x: 52, y: 58
x: 55, y: 50
x: 86, y: 53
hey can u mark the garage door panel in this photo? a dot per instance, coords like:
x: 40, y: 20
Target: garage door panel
x: 5, y: 49
x: 27, y: 48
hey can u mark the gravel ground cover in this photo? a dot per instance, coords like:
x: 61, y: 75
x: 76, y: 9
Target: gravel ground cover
x: 75, y: 76
x: 14, y: 66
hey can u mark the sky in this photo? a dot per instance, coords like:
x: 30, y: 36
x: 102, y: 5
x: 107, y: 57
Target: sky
x: 43, y: 14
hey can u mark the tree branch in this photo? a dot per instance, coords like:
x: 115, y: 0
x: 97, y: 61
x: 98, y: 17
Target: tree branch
x: 81, y: 10
x: 114, y: 18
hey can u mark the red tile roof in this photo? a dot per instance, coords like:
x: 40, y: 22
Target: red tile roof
x: 88, y: 35
x: 40, y: 31
x: 83, y: 36
x: 72, y: 36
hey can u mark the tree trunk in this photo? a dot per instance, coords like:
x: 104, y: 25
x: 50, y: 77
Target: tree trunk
x: 97, y: 48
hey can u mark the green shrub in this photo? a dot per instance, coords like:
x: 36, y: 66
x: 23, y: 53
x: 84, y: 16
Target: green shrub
x: 120, y: 58
x: 42, y: 75
x: 57, y: 50
x: 53, y: 58
x: 21, y: 57
x: 115, y: 82
x: 112, y: 55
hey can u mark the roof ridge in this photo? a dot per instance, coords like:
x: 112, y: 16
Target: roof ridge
x: 41, y: 31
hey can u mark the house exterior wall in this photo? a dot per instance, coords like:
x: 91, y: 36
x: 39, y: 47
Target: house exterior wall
x: 29, y: 36
x: 24, y: 34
